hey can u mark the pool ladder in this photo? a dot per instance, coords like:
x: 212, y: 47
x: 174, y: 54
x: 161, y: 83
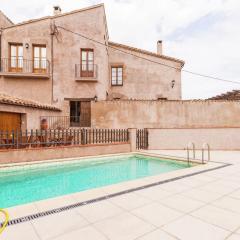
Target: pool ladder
x: 205, y: 145
x: 191, y: 146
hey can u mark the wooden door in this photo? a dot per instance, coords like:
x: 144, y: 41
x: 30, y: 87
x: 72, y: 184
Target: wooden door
x: 10, y: 121
x: 85, y: 114
x: 39, y: 59
x: 16, y: 58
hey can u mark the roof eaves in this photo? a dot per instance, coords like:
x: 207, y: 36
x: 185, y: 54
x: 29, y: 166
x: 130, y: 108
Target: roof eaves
x: 146, y: 52
x: 6, y: 99
x: 6, y: 17
x: 57, y: 16
x: 231, y: 95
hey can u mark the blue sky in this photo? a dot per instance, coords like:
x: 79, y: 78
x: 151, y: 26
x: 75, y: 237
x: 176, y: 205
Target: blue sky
x: 206, y: 33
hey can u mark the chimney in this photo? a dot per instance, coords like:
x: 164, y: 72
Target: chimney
x: 159, y: 47
x: 56, y: 10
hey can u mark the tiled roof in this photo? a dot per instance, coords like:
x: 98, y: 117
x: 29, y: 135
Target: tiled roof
x: 146, y: 52
x: 233, y: 95
x: 6, y: 99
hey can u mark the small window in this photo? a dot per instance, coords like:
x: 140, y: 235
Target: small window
x: 39, y: 59
x: 16, y: 57
x: 117, y: 76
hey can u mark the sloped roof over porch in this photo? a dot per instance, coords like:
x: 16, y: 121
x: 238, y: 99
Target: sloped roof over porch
x: 11, y: 100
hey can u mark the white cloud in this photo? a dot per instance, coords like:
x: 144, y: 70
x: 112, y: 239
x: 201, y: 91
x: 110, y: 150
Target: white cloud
x: 206, y: 33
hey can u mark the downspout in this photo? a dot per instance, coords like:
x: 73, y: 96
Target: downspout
x: 53, y: 33
x: 0, y: 49
x: 52, y: 62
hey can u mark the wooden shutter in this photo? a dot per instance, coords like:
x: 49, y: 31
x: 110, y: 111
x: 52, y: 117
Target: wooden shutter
x: 85, y: 114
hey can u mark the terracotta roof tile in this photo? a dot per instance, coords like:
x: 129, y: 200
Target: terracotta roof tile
x: 146, y: 52
x: 6, y: 99
x: 233, y: 95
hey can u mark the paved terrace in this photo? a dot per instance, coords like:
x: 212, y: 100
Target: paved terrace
x: 204, y: 206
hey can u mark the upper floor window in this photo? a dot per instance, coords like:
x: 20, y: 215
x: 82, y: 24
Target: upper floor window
x: 87, y: 63
x: 39, y: 58
x: 16, y: 57
x: 117, y: 76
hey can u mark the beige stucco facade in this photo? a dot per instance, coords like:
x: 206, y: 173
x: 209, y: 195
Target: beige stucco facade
x: 145, y: 79
x: 145, y: 75
x: 166, y: 114
x: 181, y: 138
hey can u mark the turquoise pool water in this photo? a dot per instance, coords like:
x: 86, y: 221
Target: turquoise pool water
x: 25, y: 184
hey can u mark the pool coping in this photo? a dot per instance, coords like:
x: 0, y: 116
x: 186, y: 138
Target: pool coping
x: 162, y: 156
x: 107, y: 192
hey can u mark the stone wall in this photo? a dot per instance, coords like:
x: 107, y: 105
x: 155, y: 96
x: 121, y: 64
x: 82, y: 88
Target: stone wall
x: 165, y: 114
x: 143, y: 78
x: 63, y: 53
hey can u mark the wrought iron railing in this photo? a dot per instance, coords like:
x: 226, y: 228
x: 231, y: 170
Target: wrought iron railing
x: 83, y: 71
x: 19, y: 65
x: 64, y: 122
x: 142, y: 139
x: 54, y: 138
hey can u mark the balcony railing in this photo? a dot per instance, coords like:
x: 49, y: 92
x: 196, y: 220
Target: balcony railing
x: 86, y: 72
x: 24, y: 67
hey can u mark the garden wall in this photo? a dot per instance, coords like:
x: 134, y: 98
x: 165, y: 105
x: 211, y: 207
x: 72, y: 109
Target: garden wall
x: 39, y: 154
x: 178, y: 139
x: 165, y: 114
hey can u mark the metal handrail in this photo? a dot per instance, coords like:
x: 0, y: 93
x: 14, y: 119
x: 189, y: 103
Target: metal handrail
x: 208, y: 149
x: 21, y: 66
x: 86, y: 71
x: 188, y: 153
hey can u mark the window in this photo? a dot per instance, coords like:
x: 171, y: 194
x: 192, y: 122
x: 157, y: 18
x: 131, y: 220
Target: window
x: 87, y: 63
x: 39, y: 59
x: 117, y: 76
x: 16, y: 57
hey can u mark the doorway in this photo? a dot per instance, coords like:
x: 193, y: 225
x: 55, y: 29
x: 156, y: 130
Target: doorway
x: 80, y: 113
x: 10, y: 121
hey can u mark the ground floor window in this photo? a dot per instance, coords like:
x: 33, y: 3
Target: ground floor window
x: 80, y: 113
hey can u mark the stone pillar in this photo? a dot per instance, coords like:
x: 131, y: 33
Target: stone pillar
x: 133, y: 138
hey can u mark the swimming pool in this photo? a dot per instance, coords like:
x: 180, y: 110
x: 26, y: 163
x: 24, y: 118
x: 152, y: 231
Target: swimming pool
x: 33, y: 182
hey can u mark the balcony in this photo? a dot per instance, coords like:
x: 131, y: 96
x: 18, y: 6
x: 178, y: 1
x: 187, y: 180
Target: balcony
x: 22, y: 68
x: 86, y: 72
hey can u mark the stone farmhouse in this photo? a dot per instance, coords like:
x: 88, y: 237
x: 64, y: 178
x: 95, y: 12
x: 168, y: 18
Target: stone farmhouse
x: 57, y: 67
